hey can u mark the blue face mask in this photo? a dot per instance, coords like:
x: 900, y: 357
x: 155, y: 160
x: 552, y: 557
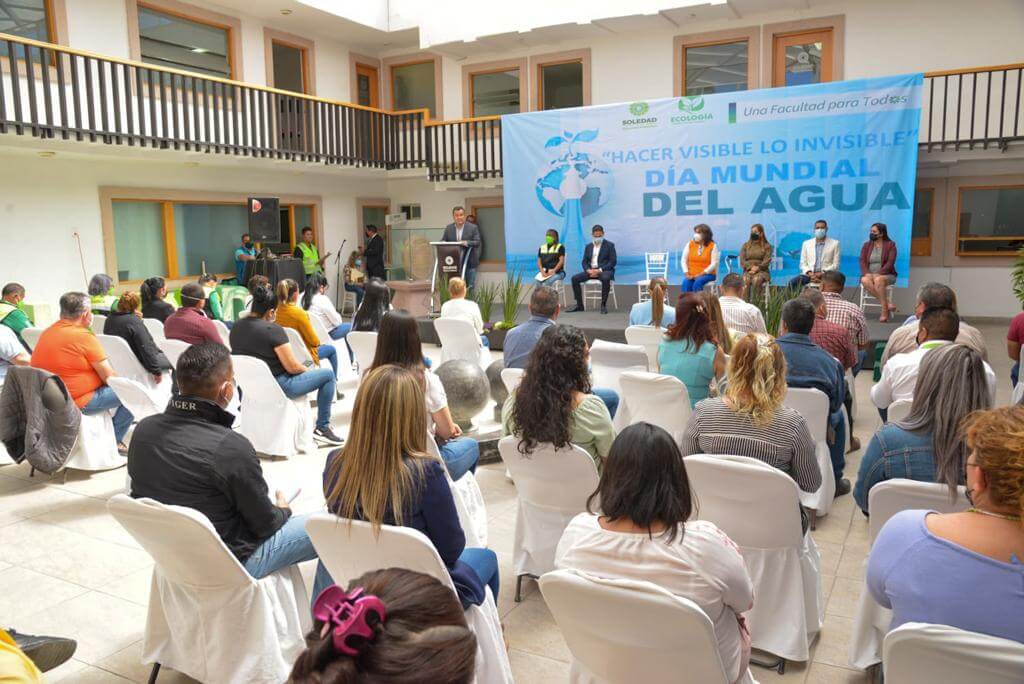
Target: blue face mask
x: 359, y: 262
x: 819, y: 233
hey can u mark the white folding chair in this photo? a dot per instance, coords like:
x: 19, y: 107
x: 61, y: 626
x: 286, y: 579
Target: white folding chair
x: 172, y: 349
x: 812, y: 404
x: 222, y: 330
x: 559, y: 287
x: 655, y: 266
x: 302, y: 354
x: 155, y: 327
x: 96, y: 446
x: 275, y: 424
x: 653, y: 398
x: 628, y: 631
x: 851, y: 382
x: 460, y: 341
x: 918, y: 653
x: 126, y: 364
x: 364, y: 348
x: 511, y: 377
x: 201, y: 598
x: 885, y: 500
x: 898, y: 410
x: 98, y: 321
x: 552, y: 486
x: 469, y: 500
x: 31, y: 336
x: 868, y: 300
x: 592, y: 293
x: 348, y: 298
x: 136, y: 398
x: 610, y: 359
x: 758, y: 506
x: 350, y: 548
x: 649, y: 337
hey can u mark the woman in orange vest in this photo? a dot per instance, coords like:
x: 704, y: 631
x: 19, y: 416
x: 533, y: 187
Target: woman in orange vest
x: 700, y: 259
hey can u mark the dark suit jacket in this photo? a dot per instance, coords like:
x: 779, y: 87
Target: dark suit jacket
x: 374, y: 255
x: 606, y: 258
x: 471, y: 234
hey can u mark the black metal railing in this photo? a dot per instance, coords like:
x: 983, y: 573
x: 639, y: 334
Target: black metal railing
x: 972, y: 108
x: 464, y: 150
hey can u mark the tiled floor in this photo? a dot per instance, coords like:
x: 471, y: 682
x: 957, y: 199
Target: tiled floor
x: 67, y: 568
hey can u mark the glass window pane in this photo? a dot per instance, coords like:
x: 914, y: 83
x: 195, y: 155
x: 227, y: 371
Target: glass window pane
x: 496, y: 93
x: 363, y: 90
x: 803, y: 63
x: 414, y: 86
x: 25, y: 18
x: 994, y: 217
x: 921, y: 227
x: 179, y: 43
x: 718, y: 68
x: 208, y: 233
x: 491, y: 221
x: 288, y: 68
x: 562, y: 85
x: 139, y: 240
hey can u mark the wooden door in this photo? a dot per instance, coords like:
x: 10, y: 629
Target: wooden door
x: 802, y: 58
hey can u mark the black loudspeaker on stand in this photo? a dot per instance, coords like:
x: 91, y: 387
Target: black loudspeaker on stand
x: 265, y: 219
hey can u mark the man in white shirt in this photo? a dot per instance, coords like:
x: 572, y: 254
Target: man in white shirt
x: 937, y: 327
x: 817, y: 255
x: 12, y: 353
x: 740, y: 316
x: 463, y: 309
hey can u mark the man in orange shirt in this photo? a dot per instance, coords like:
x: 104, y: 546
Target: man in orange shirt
x: 70, y: 350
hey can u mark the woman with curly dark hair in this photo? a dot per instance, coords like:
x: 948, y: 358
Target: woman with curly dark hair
x: 554, y: 404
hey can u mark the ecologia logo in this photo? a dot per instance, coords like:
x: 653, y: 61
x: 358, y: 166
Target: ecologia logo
x: 639, y: 118
x: 692, y: 110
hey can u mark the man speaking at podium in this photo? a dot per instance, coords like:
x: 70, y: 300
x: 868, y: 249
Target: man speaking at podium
x: 461, y: 230
x: 312, y: 262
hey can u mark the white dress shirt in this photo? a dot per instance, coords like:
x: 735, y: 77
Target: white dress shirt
x: 466, y: 310
x: 741, y: 317
x: 322, y: 308
x: 899, y: 375
x: 595, y: 254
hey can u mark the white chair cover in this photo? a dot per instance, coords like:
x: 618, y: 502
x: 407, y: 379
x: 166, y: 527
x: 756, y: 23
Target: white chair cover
x: 345, y: 370
x: 1015, y: 398
x: 31, y: 336
x: 898, y: 410
x: 758, y: 507
x: 224, y: 333
x: 630, y: 631
x: 469, y: 501
x: 136, y: 398
x: 155, y: 327
x: 96, y: 447
x: 172, y: 349
x: 127, y: 365
x: 851, y: 382
x: 275, y: 424
x: 350, y: 548
x: 885, y: 500
x: 609, y: 359
x: 653, y: 398
x: 364, y: 348
x: 649, y: 337
x: 98, y: 322
x: 301, y: 352
x: 812, y: 404
x: 918, y: 653
x: 208, y: 618
x: 511, y: 377
x: 460, y: 341
x: 553, y: 486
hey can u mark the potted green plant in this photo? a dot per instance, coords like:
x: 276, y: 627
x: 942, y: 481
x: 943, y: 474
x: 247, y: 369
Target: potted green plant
x: 1017, y: 276
x: 484, y: 295
x: 771, y: 306
x: 512, y: 292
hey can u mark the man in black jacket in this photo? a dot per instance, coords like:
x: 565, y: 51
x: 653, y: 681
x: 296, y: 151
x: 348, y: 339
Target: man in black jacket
x: 189, y: 456
x: 374, y: 254
x: 126, y: 324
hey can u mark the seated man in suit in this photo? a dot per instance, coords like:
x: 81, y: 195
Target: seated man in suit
x: 817, y: 255
x: 598, y: 264
x: 461, y: 230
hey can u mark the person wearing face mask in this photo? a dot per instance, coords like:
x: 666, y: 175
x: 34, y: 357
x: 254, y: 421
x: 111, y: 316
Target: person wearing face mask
x: 550, y: 260
x: 700, y: 259
x: 599, y: 261
x: 756, y: 261
x: 817, y: 255
x: 878, y: 267
x: 373, y: 253
x: 247, y: 252
x: 189, y: 456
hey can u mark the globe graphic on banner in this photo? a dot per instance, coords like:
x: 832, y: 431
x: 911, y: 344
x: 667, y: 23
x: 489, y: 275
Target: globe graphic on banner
x: 557, y: 183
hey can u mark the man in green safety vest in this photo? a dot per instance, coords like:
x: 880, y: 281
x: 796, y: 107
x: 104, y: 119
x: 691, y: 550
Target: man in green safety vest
x: 11, y: 313
x: 312, y: 262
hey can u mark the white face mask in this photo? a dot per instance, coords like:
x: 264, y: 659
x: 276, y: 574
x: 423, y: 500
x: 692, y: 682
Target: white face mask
x: 819, y: 233
x: 697, y: 237
x: 598, y: 241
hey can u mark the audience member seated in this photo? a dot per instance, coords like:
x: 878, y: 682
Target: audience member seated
x: 11, y: 313
x: 354, y: 275
x: 931, y: 296
x: 520, y: 340
x: 750, y: 420
x: 256, y: 334
x: 126, y: 323
x: 963, y: 569
x: 463, y: 309
x: 927, y: 445
x: 12, y: 352
x: 739, y: 316
x: 213, y: 307
x: 316, y: 302
x: 398, y: 343
x: 153, y: 291
x: 101, y: 293
x: 845, y: 313
x: 383, y: 475
x: 938, y: 327
x: 189, y: 323
x: 833, y: 338
x: 251, y: 286
x: 720, y: 332
x: 638, y: 527
x: 421, y: 632
x: 654, y: 311
x: 1014, y: 340
x: 553, y: 403
x: 189, y: 456
x: 24, y: 657
x: 70, y: 350
x: 291, y: 315
x: 689, y: 351
x: 808, y: 365
x: 376, y: 302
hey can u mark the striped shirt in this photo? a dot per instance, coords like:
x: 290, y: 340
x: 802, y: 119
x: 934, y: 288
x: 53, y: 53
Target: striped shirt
x: 784, y: 443
x: 847, y: 314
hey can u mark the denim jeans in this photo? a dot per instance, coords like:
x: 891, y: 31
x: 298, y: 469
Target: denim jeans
x: 837, y: 451
x: 460, y: 455
x: 610, y: 398
x: 799, y: 281
x: 1015, y: 373
x: 340, y: 331
x: 329, y: 352
x: 319, y: 379
x: 697, y: 284
x: 349, y: 287
x: 485, y: 564
x: 288, y: 546
x: 104, y: 399
x: 486, y: 341
x: 862, y: 357
x: 551, y: 280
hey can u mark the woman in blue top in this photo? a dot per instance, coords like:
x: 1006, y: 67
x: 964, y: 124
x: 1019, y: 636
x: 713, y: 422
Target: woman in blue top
x: 689, y: 350
x: 653, y: 312
x: 927, y: 445
x: 963, y: 569
x: 383, y: 475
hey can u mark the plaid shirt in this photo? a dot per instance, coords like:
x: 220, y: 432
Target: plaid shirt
x: 848, y: 315
x: 834, y: 339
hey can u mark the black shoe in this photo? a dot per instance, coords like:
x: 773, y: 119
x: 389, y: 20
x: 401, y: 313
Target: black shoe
x: 604, y: 309
x: 46, y: 652
x: 326, y: 436
x: 576, y: 309
x: 842, y: 487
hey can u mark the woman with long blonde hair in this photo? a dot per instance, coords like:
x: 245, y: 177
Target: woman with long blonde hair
x: 719, y: 329
x: 385, y: 476
x: 654, y: 312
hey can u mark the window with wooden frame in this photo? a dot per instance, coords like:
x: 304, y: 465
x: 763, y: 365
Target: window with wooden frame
x: 414, y: 86
x: 495, y: 92
x: 803, y: 57
x: 721, y: 66
x: 176, y: 35
x: 42, y: 20
x: 990, y: 220
x: 561, y: 79
x: 490, y: 218
x: 367, y: 85
x: 921, y: 228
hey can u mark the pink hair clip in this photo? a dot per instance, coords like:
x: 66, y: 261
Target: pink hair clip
x: 348, y: 616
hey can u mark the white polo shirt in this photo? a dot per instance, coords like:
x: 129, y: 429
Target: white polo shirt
x: 899, y: 375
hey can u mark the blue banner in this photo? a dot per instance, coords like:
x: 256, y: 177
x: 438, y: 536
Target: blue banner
x: 845, y: 152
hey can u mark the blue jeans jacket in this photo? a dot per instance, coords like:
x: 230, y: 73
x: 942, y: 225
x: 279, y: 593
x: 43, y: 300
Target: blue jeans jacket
x: 894, y: 453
